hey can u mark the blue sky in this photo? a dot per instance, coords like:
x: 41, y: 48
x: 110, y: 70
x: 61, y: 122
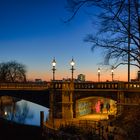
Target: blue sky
x: 32, y: 32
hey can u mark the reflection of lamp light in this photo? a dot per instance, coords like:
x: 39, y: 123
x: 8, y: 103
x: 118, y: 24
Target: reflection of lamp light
x: 99, y: 74
x: 72, y: 63
x: 5, y: 113
x: 53, y: 69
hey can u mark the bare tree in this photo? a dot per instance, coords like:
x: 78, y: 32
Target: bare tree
x: 119, y: 26
x: 12, y: 72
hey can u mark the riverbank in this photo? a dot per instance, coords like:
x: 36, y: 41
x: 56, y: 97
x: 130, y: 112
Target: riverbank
x: 10, y: 130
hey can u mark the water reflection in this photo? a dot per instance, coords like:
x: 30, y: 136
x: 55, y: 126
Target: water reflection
x: 21, y: 111
x: 18, y: 112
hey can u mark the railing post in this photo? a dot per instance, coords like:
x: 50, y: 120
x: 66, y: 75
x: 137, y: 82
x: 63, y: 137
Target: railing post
x: 41, y: 119
x: 120, y: 102
x: 51, y: 110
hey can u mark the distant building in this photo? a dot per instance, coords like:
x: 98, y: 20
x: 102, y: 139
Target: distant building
x: 38, y: 80
x: 66, y: 79
x: 138, y: 76
x: 81, y: 77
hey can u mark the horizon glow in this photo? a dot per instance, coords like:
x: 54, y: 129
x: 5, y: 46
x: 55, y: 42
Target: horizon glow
x: 33, y: 33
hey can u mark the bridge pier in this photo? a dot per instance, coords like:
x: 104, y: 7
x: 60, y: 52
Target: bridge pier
x: 67, y: 100
x: 120, y: 101
x: 63, y: 97
x: 51, y: 110
x: 61, y: 103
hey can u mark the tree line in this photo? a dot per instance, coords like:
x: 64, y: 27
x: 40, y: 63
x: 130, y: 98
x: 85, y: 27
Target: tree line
x: 12, y: 71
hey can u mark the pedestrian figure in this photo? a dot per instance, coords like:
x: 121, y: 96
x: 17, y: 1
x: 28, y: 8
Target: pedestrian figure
x: 108, y: 107
x: 110, y: 136
x: 110, y: 132
x: 101, y: 107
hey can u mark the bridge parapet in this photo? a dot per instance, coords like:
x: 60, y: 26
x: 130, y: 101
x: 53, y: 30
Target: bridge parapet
x: 96, y: 85
x: 61, y: 85
x: 57, y: 85
x: 108, y: 85
x: 77, y: 85
x: 99, y: 85
x: 132, y: 85
x: 24, y: 86
x: 87, y: 85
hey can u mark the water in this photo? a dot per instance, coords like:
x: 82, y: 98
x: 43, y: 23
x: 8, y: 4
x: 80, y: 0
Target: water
x: 34, y: 109
x: 24, y: 112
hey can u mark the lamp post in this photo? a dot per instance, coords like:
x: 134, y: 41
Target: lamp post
x: 53, y: 69
x: 99, y: 74
x: 52, y: 95
x: 72, y: 63
x: 112, y: 73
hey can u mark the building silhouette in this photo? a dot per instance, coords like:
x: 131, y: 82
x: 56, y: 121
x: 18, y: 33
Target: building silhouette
x: 81, y: 77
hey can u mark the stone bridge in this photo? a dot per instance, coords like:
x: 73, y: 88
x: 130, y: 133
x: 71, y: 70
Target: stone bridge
x: 34, y: 92
x: 63, y: 96
x: 66, y: 97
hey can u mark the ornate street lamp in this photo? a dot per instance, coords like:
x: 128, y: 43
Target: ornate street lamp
x: 53, y: 69
x: 112, y: 73
x: 52, y: 93
x: 99, y: 71
x: 72, y: 63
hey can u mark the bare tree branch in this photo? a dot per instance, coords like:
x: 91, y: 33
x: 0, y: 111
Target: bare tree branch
x: 12, y: 72
x: 112, y: 35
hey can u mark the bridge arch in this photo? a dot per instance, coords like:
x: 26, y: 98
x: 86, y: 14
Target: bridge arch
x: 95, y: 105
x: 79, y: 94
x: 40, y: 97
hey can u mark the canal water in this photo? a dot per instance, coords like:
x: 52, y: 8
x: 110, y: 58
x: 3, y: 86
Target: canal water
x: 25, y: 112
x: 22, y: 111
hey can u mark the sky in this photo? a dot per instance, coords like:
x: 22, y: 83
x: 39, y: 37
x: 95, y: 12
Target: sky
x: 33, y: 32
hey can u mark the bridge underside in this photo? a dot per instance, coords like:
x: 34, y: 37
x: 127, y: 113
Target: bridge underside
x: 91, y: 101
x: 95, y: 106
x: 40, y: 97
x: 105, y: 94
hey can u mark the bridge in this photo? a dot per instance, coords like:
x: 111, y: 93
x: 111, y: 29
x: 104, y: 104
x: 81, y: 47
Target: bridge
x: 68, y: 99
x: 28, y: 91
x: 34, y: 92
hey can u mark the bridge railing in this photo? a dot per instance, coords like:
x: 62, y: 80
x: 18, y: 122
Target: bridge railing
x: 108, y: 85
x: 57, y: 85
x: 61, y: 85
x: 24, y: 85
x: 99, y: 85
x: 132, y: 85
x: 96, y: 85
x: 86, y: 85
x: 77, y: 85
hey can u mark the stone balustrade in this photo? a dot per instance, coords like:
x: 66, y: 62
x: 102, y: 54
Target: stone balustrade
x: 77, y: 85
